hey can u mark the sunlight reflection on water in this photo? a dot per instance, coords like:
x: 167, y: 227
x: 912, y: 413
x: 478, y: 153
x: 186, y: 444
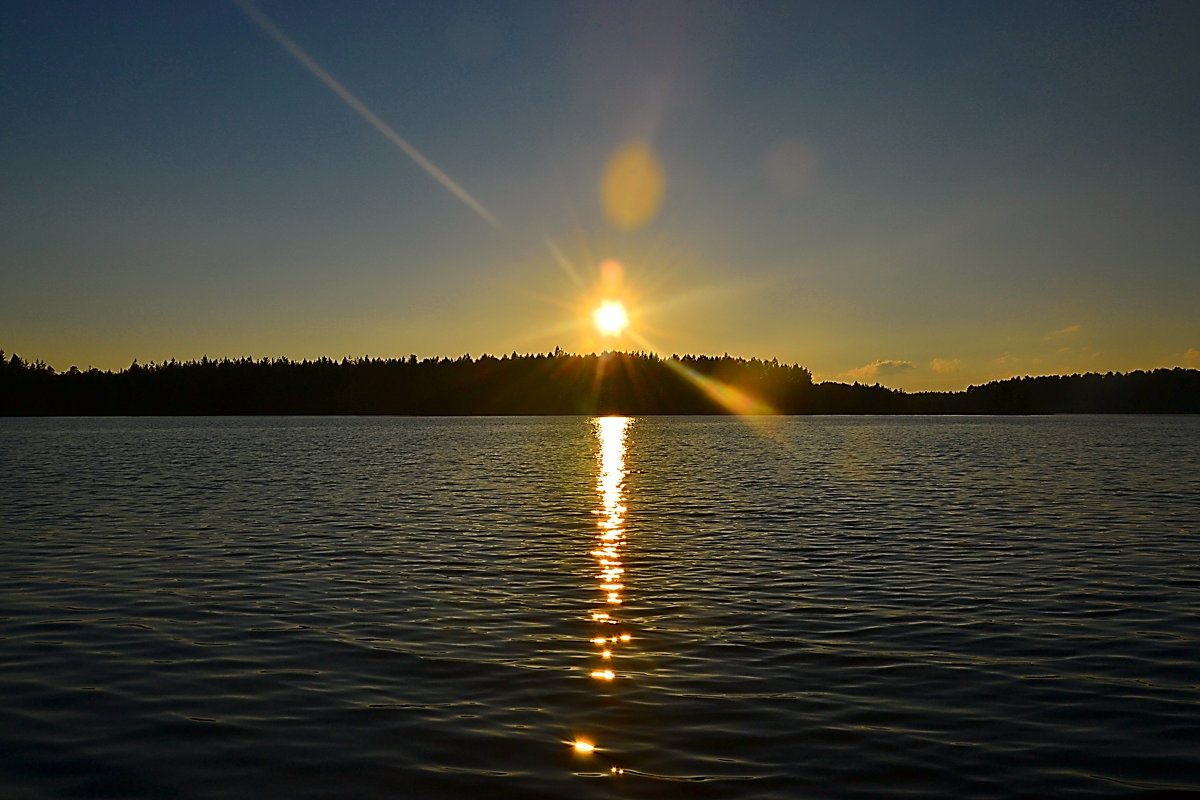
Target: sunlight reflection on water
x: 611, y: 435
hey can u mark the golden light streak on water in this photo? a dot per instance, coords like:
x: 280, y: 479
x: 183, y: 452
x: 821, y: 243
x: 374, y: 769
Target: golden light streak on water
x: 360, y: 108
x: 611, y: 433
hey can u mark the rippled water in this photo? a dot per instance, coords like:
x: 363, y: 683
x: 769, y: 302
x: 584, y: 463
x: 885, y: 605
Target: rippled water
x: 399, y: 607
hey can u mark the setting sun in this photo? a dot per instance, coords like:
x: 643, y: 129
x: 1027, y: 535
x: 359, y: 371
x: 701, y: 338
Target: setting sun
x: 610, y: 318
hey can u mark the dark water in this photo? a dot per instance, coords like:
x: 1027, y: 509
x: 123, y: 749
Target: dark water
x: 816, y: 607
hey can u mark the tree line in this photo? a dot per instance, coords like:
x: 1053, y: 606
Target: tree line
x: 548, y: 383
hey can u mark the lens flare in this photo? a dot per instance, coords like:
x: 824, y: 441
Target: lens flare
x: 631, y: 189
x: 359, y: 107
x: 611, y: 276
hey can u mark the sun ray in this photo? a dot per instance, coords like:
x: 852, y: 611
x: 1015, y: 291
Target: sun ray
x: 307, y: 61
x: 732, y: 399
x: 563, y: 261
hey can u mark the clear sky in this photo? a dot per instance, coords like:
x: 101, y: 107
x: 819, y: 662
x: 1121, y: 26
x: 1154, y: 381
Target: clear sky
x: 922, y: 194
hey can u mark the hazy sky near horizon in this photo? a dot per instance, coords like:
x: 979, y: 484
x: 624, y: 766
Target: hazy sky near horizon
x: 924, y: 194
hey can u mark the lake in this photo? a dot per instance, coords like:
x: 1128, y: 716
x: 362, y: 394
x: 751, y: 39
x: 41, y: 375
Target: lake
x: 700, y: 607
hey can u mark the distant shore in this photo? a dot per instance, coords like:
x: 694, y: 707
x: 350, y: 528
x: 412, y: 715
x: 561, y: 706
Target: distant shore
x: 555, y: 383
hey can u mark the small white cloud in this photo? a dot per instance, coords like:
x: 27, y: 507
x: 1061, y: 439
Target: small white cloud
x: 1067, y: 331
x: 945, y: 366
x: 1192, y: 358
x: 880, y: 369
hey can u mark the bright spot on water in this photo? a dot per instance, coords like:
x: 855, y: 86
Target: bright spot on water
x: 583, y: 747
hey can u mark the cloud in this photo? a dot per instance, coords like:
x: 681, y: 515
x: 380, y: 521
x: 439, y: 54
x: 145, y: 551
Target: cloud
x: 1192, y: 358
x: 945, y: 366
x: 1067, y: 331
x: 880, y: 369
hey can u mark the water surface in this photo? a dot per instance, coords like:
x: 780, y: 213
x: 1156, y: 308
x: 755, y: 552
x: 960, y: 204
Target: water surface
x: 802, y: 607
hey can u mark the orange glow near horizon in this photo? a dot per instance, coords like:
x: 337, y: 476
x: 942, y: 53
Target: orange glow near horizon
x: 732, y: 399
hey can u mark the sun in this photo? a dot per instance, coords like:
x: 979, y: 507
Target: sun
x: 610, y: 318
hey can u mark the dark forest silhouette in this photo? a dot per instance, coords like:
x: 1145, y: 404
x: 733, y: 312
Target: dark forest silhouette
x: 551, y: 383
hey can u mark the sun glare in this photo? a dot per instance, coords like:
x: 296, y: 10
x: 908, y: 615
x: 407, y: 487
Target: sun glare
x: 610, y: 318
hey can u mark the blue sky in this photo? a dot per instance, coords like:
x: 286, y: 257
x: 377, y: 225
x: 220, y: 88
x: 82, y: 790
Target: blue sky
x: 922, y: 194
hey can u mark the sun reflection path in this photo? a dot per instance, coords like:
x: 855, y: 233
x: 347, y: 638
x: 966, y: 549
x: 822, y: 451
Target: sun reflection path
x: 610, y: 539
x: 609, y: 633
